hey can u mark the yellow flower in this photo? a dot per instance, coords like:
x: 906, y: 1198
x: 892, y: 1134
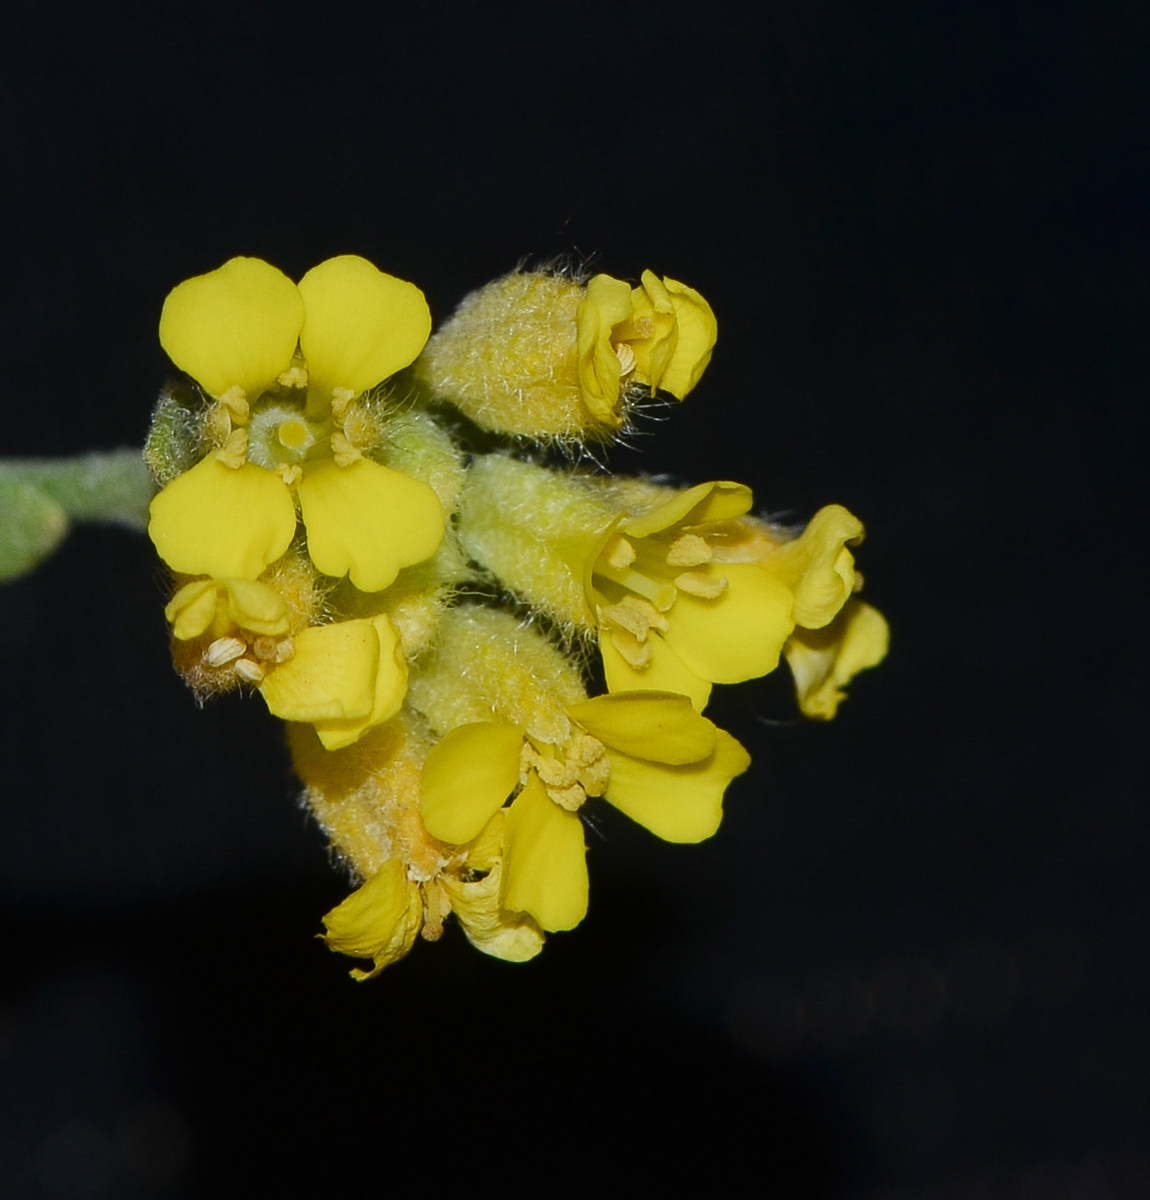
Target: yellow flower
x: 823, y: 661
x: 672, y: 615
x: 343, y: 678
x: 649, y: 754
x: 541, y: 355
x: 289, y: 423
x: 658, y: 335
x: 692, y: 592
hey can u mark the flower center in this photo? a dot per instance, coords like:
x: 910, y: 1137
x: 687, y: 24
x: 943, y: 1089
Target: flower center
x: 280, y: 435
x: 640, y: 580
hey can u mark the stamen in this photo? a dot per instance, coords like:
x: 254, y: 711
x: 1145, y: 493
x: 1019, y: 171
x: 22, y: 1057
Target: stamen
x: 224, y: 650
x: 649, y: 612
x: 340, y: 398
x: 294, y: 377
x: 625, y: 617
x: 661, y: 595
x: 626, y: 358
x: 290, y: 473
x: 273, y: 650
x: 235, y: 400
x: 636, y: 654
x: 571, y: 797
x: 234, y: 452
x: 858, y: 587
x: 343, y: 451
x: 689, y: 550
x: 707, y: 587
x: 247, y: 669
x: 619, y: 553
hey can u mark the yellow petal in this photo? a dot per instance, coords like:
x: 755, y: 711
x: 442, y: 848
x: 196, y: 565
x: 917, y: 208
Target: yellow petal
x: 360, y: 325
x: 697, y: 333
x: 823, y: 661
x: 545, y: 860
x: 367, y: 521
x: 665, y: 672
x: 652, y: 725
x: 606, y: 303
x: 378, y: 921
x: 740, y: 633
x: 817, y: 566
x: 256, y: 607
x: 331, y: 675
x: 222, y: 521
x: 467, y: 777
x: 649, y: 330
x: 512, y: 936
x: 193, y: 608
x: 705, y: 502
x: 236, y: 326
x: 678, y: 804
x: 390, y: 689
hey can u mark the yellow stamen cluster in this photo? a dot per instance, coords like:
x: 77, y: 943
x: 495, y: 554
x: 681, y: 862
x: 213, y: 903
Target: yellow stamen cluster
x: 340, y: 546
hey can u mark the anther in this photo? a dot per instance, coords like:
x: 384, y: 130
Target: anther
x: 689, y: 550
x: 707, y: 587
x: 234, y: 452
x: 619, y: 553
x: 223, y: 650
x: 626, y: 358
x: 249, y: 670
x: 235, y: 400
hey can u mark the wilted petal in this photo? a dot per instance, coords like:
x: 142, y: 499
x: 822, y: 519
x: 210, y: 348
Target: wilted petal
x: 378, y: 921
x: 367, y: 521
x: 678, y: 804
x: 360, y: 325
x: 512, y: 936
x: 233, y: 327
x: 545, y: 860
x: 222, y: 521
x: 817, y: 566
x: 823, y: 661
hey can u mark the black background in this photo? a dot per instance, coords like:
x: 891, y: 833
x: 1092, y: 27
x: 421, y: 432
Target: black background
x: 913, y: 962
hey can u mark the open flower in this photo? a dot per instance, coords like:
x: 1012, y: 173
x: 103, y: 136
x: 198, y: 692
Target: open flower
x: 659, y: 335
x: 691, y: 592
x: 649, y: 754
x: 288, y: 424
x: 343, y: 678
x: 671, y: 615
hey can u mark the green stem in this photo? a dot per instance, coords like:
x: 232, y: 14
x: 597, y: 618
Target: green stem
x: 40, y: 497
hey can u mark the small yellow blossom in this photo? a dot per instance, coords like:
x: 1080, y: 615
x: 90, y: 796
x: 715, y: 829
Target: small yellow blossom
x: 658, y: 335
x: 367, y: 800
x: 672, y: 612
x: 343, y: 678
x: 649, y: 754
x: 545, y: 356
x: 289, y: 425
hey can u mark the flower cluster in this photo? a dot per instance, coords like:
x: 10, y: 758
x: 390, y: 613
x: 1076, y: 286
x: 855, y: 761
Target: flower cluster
x: 336, y: 544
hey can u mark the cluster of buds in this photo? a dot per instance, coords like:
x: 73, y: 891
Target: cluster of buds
x: 425, y: 611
